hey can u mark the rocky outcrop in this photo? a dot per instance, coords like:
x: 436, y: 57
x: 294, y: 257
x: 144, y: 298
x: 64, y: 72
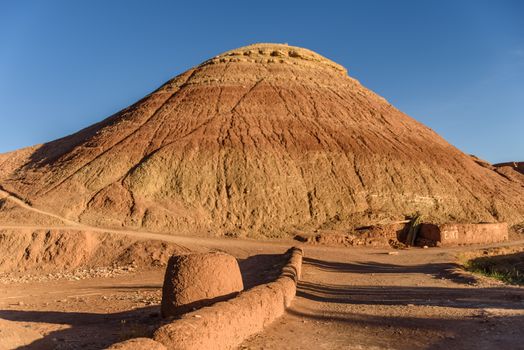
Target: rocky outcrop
x: 66, y: 250
x: 513, y: 171
x: 517, y: 166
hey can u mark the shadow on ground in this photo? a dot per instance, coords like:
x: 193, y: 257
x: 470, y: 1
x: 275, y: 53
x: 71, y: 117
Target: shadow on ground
x: 502, y: 298
x: 481, y: 331
x: 405, y: 316
x: 88, y: 330
x: 98, y: 330
x: 463, y: 296
x: 450, y: 271
x: 262, y: 268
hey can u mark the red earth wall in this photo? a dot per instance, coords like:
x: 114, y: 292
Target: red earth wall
x: 460, y: 234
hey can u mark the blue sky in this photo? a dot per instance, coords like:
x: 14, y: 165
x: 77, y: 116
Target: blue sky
x: 457, y: 66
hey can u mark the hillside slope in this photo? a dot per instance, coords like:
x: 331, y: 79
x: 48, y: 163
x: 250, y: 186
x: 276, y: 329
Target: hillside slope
x: 261, y: 140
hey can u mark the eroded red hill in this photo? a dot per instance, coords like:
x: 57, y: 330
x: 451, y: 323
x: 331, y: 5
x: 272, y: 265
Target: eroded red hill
x: 262, y: 140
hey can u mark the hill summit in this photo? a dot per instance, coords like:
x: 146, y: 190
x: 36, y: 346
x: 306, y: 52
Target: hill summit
x: 262, y: 140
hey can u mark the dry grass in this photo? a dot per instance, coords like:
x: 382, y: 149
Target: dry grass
x: 504, y: 264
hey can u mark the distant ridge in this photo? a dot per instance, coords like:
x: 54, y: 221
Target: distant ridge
x: 518, y: 166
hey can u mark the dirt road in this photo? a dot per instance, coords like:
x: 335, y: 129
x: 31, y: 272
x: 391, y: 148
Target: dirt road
x: 357, y: 298
x: 96, y: 312
x: 419, y: 299
x: 347, y: 299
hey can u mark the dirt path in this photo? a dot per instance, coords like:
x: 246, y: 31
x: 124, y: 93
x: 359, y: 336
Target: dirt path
x: 237, y: 247
x: 347, y: 299
x: 13, y: 198
x: 360, y: 299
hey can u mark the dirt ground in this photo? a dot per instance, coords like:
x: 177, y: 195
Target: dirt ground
x: 92, y: 313
x: 348, y: 298
x: 418, y: 299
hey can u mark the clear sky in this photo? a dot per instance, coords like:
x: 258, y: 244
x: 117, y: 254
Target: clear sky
x: 457, y: 66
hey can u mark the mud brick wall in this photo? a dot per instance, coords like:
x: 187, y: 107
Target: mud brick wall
x: 226, y: 324
x: 460, y: 234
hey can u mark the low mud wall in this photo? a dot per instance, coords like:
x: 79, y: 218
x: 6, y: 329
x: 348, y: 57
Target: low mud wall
x: 460, y: 234
x: 226, y: 324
